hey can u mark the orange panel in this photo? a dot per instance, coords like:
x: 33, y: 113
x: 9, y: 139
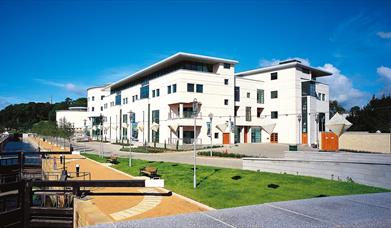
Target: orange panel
x: 225, y: 138
x: 329, y: 141
x: 274, y: 138
x: 304, y: 138
x: 245, y: 134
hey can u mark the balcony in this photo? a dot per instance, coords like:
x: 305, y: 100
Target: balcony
x: 185, y: 115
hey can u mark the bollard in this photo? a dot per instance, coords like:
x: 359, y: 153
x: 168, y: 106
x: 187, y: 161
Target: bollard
x: 54, y: 164
x: 77, y: 170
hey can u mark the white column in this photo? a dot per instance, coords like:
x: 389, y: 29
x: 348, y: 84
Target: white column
x: 180, y: 110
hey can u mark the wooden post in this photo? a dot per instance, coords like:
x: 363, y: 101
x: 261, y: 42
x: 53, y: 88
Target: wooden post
x: 27, y: 202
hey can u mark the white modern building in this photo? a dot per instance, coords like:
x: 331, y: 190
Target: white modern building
x: 187, y: 95
x: 78, y: 117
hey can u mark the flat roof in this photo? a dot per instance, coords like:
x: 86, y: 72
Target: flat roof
x: 284, y: 65
x: 180, y: 56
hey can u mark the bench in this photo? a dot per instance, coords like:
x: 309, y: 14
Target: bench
x: 113, y: 159
x: 149, y: 171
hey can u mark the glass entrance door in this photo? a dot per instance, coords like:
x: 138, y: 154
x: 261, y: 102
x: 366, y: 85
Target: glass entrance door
x: 255, y: 134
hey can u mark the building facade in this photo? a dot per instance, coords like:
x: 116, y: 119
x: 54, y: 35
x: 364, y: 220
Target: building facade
x: 78, y: 117
x: 187, y: 96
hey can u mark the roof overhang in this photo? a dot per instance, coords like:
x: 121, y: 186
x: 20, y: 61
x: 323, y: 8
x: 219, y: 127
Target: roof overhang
x: 180, y: 56
x: 315, y: 71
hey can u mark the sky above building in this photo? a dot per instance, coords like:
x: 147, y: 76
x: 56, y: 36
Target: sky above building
x: 57, y: 49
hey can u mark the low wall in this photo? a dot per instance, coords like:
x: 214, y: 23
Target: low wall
x: 365, y: 142
x: 368, y: 173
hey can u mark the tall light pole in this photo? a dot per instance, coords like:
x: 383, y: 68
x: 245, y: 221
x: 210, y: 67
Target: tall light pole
x: 101, y: 135
x: 317, y: 129
x: 299, y: 119
x: 211, y: 133
x: 131, y: 135
x: 195, y: 107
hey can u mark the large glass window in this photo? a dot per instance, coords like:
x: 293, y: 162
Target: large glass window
x: 199, y: 88
x: 190, y: 87
x: 237, y: 93
x: 308, y: 89
x: 260, y: 96
x: 322, y: 122
x: 118, y: 99
x: 248, y: 113
x: 227, y: 65
x: 144, y: 91
x: 155, y: 119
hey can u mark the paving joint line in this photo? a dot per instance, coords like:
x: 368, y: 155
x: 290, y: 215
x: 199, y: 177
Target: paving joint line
x: 218, y: 220
x: 301, y: 214
x: 368, y: 204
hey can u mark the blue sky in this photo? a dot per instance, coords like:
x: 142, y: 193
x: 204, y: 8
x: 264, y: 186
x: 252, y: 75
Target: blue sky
x: 59, y: 48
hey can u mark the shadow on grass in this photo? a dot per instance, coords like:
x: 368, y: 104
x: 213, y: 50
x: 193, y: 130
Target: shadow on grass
x: 206, y: 177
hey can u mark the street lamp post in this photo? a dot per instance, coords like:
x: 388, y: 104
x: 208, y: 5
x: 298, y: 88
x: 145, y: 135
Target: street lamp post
x: 317, y: 129
x: 101, y: 135
x: 299, y: 119
x: 211, y: 133
x: 195, y: 107
x: 131, y: 135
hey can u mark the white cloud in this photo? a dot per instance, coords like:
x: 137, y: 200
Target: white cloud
x: 385, y: 74
x: 272, y: 62
x: 341, y: 88
x: 384, y: 35
x: 67, y: 86
x: 3, y: 103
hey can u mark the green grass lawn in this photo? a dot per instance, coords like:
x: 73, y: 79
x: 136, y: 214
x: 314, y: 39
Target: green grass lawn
x: 218, y: 188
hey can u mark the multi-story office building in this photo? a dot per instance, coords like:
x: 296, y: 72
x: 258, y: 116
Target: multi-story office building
x: 157, y: 104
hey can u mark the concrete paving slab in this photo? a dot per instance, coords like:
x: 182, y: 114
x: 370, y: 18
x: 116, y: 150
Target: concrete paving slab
x: 367, y: 210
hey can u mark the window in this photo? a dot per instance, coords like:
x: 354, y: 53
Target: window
x: 153, y: 93
x: 273, y: 76
x: 248, y: 113
x: 274, y: 94
x: 190, y: 87
x: 93, y: 98
x: 227, y: 65
x: 168, y: 89
x: 248, y: 95
x: 118, y: 99
x: 323, y: 97
x: 144, y: 91
x: 236, y: 111
x: 322, y: 121
x: 155, y: 119
x: 92, y: 109
x: 225, y: 81
x: 101, y: 108
x: 101, y: 97
x: 237, y: 93
x: 216, y: 135
x: 157, y: 92
x: 174, y: 88
x: 225, y: 101
x: 274, y: 115
x: 259, y: 112
x: 105, y: 106
x: 260, y: 96
x: 124, y: 118
x: 199, y: 88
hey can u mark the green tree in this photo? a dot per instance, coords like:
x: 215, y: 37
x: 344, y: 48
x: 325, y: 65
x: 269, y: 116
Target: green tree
x: 336, y: 107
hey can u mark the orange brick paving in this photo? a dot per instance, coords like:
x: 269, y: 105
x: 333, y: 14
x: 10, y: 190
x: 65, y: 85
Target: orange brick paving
x: 167, y: 205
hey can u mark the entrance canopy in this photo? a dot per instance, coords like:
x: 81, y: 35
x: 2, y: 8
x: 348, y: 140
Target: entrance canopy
x: 173, y: 127
x: 222, y: 127
x: 155, y: 126
x: 338, y: 124
x: 268, y: 127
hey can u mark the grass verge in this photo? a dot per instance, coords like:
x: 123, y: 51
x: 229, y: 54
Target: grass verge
x: 224, y: 188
